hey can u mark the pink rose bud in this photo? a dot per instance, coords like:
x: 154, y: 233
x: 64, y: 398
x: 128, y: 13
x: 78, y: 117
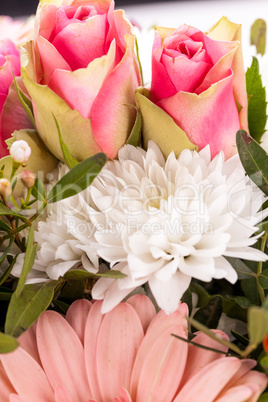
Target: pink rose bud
x: 20, y: 151
x: 86, y: 75
x: 28, y: 178
x: 5, y: 188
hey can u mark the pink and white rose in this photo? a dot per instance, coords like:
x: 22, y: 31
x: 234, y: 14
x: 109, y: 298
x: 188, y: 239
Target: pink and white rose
x: 199, y: 81
x: 82, y: 68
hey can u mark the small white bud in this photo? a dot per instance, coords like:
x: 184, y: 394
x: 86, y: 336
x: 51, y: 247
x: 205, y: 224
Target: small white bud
x: 5, y: 187
x: 20, y: 151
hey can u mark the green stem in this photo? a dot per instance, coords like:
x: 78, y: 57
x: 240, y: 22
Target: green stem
x: 259, y: 269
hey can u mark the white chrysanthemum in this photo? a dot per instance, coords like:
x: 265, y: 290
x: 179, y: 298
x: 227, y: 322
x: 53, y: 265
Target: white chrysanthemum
x: 64, y: 239
x: 161, y: 222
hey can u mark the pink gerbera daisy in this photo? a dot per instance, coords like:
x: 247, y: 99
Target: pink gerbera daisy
x: 125, y: 355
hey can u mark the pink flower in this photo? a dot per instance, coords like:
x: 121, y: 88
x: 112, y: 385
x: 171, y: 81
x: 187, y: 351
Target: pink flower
x: 12, y: 115
x: 84, y: 72
x: 125, y: 355
x: 200, y: 83
x: 18, y: 30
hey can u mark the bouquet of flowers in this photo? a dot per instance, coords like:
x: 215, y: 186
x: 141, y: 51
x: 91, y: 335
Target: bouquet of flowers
x: 133, y: 216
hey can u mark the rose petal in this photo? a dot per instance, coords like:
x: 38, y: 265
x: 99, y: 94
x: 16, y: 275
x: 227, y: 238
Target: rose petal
x: 210, y: 125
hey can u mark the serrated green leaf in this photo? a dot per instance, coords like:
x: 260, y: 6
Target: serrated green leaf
x: 24, y: 310
x: 78, y: 178
x: 38, y: 190
x: 7, y: 343
x: 78, y: 274
x: 263, y: 279
x: 257, y: 324
x: 26, y: 103
x: 257, y: 101
x: 243, y: 271
x: 203, y: 296
x: 254, y: 159
x: 135, y: 135
x: 210, y: 314
x: 28, y: 261
x: 68, y: 158
x: 258, y: 35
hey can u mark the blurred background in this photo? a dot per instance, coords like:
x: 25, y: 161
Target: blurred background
x: 26, y: 7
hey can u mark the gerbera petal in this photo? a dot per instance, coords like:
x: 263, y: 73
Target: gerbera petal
x: 22, y: 380
x: 215, y: 375
x: 119, y: 338
x: 52, y: 333
x: 144, y: 308
x: 163, y: 367
x: 77, y: 316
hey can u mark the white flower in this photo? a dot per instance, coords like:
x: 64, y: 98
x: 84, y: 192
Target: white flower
x: 64, y: 240
x: 20, y: 151
x: 156, y: 221
x: 172, y: 221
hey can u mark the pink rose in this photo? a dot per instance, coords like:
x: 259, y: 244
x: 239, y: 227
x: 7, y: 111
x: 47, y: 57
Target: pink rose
x: 200, y: 83
x: 82, y: 68
x: 12, y: 114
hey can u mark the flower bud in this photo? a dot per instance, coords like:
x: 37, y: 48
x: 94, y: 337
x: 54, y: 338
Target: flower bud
x: 20, y: 151
x: 5, y: 187
x: 28, y: 178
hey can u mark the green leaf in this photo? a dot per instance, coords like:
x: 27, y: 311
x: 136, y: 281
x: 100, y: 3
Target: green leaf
x: 258, y: 35
x: 7, y: 343
x: 5, y: 275
x: 203, y: 296
x: 5, y: 294
x: 77, y: 179
x: 68, y: 158
x: 210, y: 314
x: 26, y: 102
x: 80, y: 274
x: 263, y: 279
x: 254, y: 159
x: 135, y: 135
x: 257, y: 101
x: 138, y: 58
x: 257, y: 324
x: 3, y: 257
x: 24, y: 310
x: 243, y: 271
x: 38, y: 190
x: 4, y: 226
x: 263, y: 397
x: 6, y: 211
x: 28, y: 261
x: 60, y: 306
